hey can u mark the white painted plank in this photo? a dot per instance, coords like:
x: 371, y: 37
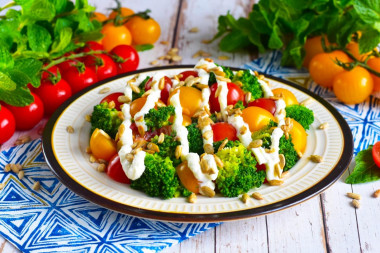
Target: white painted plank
x: 204, y: 16
x: 297, y: 229
x: 242, y: 236
x: 6, y: 247
x: 203, y: 243
x: 340, y: 218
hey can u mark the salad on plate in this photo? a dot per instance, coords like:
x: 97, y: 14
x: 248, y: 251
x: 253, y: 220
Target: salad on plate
x: 209, y: 131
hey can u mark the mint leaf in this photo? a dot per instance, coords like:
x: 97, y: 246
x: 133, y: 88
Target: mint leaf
x: 6, y: 83
x: 38, y: 10
x: 234, y: 41
x: 365, y: 169
x: 369, y: 12
x: 39, y: 38
x: 83, y: 4
x: 18, y: 97
x: 31, y: 67
x: 143, y: 47
x: 6, y: 60
x: 368, y: 41
x: 63, y: 40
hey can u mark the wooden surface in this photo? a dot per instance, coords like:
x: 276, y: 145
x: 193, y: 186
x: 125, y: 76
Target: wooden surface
x: 326, y: 223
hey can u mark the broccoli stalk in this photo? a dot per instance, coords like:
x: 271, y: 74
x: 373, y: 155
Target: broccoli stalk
x: 157, y: 118
x: 250, y: 83
x: 105, y: 118
x: 301, y: 114
x: 195, y: 139
x: 238, y: 174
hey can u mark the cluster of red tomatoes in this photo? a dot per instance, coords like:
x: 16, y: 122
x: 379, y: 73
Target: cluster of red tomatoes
x: 257, y: 115
x: 350, y: 86
x: 136, y: 30
x: 74, y: 75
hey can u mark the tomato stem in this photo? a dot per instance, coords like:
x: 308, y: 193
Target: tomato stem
x: 121, y: 20
x: 71, y: 57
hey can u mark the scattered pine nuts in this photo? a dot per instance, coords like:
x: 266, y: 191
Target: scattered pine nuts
x: 36, y: 186
x: 194, y: 30
x: 376, y: 194
x: 104, y: 90
x: 7, y: 168
x: 192, y: 198
x: 70, y: 129
x: 354, y: 195
x: 21, y: 174
x: 356, y: 203
x: 16, y: 168
x: 257, y: 195
x: 316, y: 158
x: 245, y: 198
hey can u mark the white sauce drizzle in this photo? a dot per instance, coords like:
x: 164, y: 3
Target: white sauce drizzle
x: 238, y: 122
x: 193, y: 162
x: 222, y: 98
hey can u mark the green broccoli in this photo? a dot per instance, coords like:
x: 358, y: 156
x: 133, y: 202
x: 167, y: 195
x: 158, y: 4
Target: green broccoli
x: 195, y: 139
x: 238, y: 174
x: 301, y: 114
x: 287, y: 149
x: 239, y: 104
x: 142, y: 89
x: 159, y: 178
x: 250, y: 83
x: 182, y: 191
x: 106, y: 119
x: 229, y: 144
x: 157, y: 118
x: 228, y: 71
x: 167, y: 148
x: 211, y: 79
x: 265, y: 134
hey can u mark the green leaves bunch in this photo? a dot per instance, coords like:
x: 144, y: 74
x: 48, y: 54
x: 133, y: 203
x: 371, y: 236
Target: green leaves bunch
x: 286, y: 24
x: 42, y: 31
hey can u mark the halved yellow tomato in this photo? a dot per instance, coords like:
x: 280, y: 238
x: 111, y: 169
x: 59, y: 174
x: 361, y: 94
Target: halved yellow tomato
x: 186, y: 120
x: 287, y: 95
x: 137, y: 104
x: 187, y: 177
x: 102, y: 145
x: 256, y: 117
x: 299, y: 136
x: 190, y: 99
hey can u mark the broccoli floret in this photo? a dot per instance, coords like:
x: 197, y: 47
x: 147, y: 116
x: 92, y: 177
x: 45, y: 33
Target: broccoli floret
x: 157, y: 118
x: 229, y: 144
x: 195, y: 139
x: 238, y: 174
x: 287, y: 149
x: 211, y: 79
x: 182, y: 191
x: 159, y: 178
x: 301, y: 114
x: 106, y: 119
x: 250, y: 83
x: 228, y: 71
x: 142, y: 89
x: 167, y: 148
x: 263, y: 134
x: 239, y: 104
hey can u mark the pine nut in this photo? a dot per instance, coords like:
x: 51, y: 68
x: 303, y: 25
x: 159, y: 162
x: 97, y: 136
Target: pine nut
x: 194, y: 30
x: 218, y: 161
x: 7, y: 168
x: 316, y: 158
x: 224, y: 143
x: 70, y: 129
x: 282, y: 161
x: 135, y: 88
x: 101, y: 167
x: 245, y: 198
x: 306, y: 102
x: 207, y: 135
x: 129, y: 157
x: 36, y: 186
x: 87, y: 118
x: 323, y: 126
x: 21, y: 174
x: 208, y: 191
x: 192, y: 198
x: 161, y: 138
x: 376, y: 194
x: 255, y: 144
x: 257, y: 195
x: 2, y: 185
x: 354, y: 195
x: 356, y: 203
x: 123, y: 99
x: 276, y: 182
x: 104, y: 90
x: 209, y: 149
x: 223, y: 57
x: 178, y: 152
x: 153, y: 147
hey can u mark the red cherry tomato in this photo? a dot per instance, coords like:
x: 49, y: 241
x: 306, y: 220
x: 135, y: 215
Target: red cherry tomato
x: 186, y: 74
x: 115, y: 170
x: 52, y: 70
x: 7, y: 124
x: 28, y: 116
x: 102, y: 65
x: 234, y: 95
x: 66, y: 64
x: 126, y: 57
x: 265, y: 103
x: 165, y: 91
x: 260, y: 167
x: 376, y: 153
x: 53, y: 95
x: 79, y: 79
x: 113, y: 97
x: 223, y: 130
x: 92, y: 45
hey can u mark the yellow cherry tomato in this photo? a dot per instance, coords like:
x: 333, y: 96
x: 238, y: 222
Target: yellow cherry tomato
x: 354, y: 86
x: 353, y: 48
x: 144, y: 31
x: 187, y: 177
x: 313, y: 46
x: 323, y: 68
x: 256, y: 117
x: 186, y: 120
x: 286, y: 95
x: 137, y: 104
x: 190, y: 99
x: 102, y: 145
x: 374, y: 63
x: 124, y: 11
x: 299, y: 136
x: 114, y: 36
x: 98, y: 16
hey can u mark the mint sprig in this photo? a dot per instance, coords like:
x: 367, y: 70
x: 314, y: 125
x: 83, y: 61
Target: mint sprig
x: 365, y: 169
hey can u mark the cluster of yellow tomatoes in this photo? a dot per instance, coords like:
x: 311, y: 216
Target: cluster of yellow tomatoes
x: 350, y: 86
x: 136, y: 30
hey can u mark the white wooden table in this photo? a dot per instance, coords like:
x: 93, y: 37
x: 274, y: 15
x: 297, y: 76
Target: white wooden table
x: 326, y: 223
